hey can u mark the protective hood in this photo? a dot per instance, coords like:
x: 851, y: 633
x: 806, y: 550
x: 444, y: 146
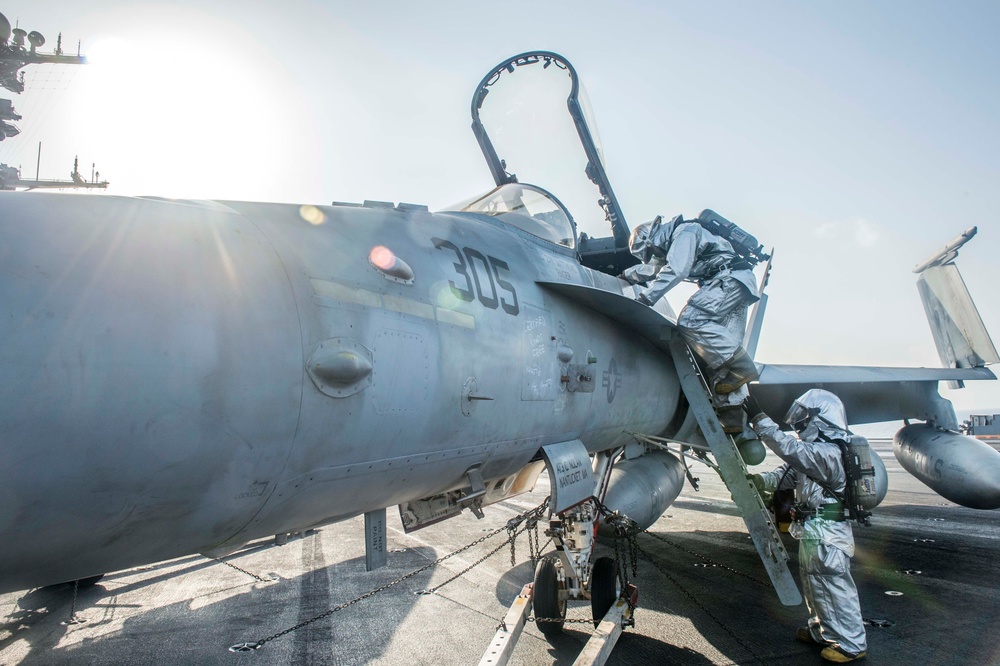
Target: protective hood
x: 818, y: 411
x: 650, y: 236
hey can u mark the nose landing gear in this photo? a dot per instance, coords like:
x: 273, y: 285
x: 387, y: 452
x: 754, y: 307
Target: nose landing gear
x: 572, y: 574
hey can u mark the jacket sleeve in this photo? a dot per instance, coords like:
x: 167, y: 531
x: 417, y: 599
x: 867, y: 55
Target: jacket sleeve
x: 643, y: 272
x: 778, y: 477
x: 811, y: 458
x: 680, y: 260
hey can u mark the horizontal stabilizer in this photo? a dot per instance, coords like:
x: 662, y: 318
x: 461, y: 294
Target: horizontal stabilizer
x: 869, y: 394
x: 826, y: 374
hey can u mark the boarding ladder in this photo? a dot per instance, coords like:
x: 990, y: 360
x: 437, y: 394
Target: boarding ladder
x: 734, y: 473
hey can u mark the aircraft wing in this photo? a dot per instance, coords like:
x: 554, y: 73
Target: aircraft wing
x: 870, y: 394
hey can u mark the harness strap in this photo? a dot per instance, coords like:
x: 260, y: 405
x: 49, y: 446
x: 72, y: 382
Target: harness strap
x: 833, y: 511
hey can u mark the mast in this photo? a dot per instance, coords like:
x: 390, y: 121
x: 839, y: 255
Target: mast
x: 18, y: 49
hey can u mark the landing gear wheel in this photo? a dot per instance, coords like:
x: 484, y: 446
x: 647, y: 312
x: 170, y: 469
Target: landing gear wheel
x: 603, y: 587
x: 546, y: 597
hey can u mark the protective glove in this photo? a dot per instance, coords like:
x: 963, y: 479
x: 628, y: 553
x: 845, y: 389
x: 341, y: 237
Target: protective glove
x: 634, y: 279
x: 758, y: 482
x: 752, y: 408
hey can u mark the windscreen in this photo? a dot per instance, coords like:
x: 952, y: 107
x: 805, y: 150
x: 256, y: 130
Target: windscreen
x: 526, y: 207
x: 524, y: 112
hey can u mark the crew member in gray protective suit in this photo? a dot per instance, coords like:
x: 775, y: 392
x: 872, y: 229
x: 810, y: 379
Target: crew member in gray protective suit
x: 714, y: 319
x: 826, y: 542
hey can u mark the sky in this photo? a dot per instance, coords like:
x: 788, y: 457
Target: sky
x: 855, y: 138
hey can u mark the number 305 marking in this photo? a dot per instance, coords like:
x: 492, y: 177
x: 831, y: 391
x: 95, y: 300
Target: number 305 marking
x: 470, y: 264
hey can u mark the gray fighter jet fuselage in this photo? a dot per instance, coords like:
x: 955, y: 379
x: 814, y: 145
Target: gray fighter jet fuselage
x: 185, y: 376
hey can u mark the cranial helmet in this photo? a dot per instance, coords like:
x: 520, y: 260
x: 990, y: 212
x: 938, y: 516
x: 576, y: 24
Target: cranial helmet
x: 818, y: 407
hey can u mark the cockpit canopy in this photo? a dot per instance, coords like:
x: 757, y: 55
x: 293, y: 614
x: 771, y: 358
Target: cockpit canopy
x: 526, y: 207
x: 530, y: 113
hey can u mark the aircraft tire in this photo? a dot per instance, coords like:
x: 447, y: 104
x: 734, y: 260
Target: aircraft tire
x: 603, y: 587
x: 546, y: 597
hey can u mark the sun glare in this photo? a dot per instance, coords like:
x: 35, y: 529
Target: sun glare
x: 181, y: 116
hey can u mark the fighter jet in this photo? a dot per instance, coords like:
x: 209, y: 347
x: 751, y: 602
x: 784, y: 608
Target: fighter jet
x: 186, y: 376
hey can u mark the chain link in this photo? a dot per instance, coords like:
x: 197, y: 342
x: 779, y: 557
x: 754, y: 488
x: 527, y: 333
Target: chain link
x: 649, y: 558
x: 252, y: 575
x: 73, y: 619
x: 626, y: 551
x: 625, y: 546
x: 475, y: 564
x: 707, y: 560
x: 567, y: 620
x: 511, y: 527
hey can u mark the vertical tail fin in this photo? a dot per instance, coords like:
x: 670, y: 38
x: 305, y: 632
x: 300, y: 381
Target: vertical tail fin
x: 959, y: 333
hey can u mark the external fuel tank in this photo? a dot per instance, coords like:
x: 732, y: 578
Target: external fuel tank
x: 959, y: 468
x: 643, y: 488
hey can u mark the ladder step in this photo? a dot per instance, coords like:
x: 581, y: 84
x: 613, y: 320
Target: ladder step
x: 734, y: 473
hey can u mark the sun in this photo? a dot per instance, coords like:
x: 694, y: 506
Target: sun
x: 190, y: 113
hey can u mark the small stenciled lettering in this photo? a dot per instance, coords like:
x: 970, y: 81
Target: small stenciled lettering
x: 572, y: 477
x: 568, y: 465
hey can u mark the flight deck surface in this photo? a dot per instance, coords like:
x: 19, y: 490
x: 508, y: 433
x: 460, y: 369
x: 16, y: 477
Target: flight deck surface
x: 926, y: 571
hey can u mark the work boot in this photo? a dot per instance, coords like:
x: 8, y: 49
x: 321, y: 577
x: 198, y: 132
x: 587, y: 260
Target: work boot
x: 837, y: 654
x: 732, y: 418
x: 741, y: 370
x: 803, y: 634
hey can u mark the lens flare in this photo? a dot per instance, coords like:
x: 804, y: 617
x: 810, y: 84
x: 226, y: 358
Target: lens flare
x: 312, y: 215
x: 443, y: 296
x: 382, y: 258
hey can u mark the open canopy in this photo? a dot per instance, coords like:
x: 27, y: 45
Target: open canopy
x: 533, y: 122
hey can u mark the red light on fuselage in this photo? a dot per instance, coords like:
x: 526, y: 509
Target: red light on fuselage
x: 382, y: 257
